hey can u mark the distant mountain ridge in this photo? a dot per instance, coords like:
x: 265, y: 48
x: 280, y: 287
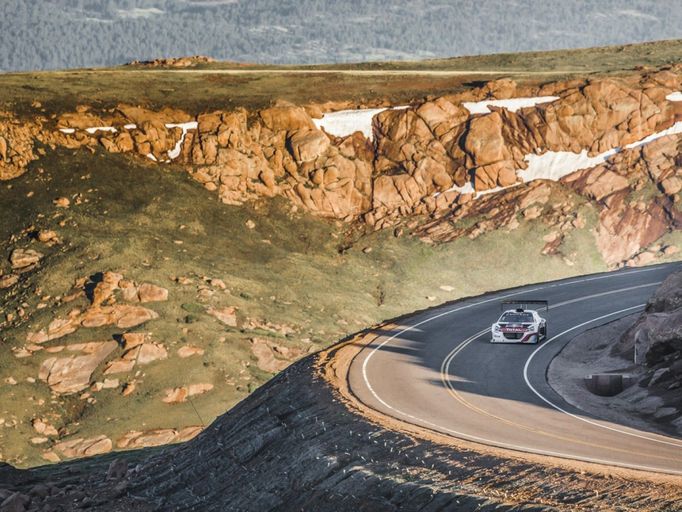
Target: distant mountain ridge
x: 86, y: 33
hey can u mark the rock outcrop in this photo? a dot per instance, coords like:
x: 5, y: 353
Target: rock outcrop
x: 655, y: 342
x: 66, y: 375
x: 103, y: 309
x: 157, y: 437
x: 80, y: 447
x: 17, y: 145
x: 173, y: 62
x: 424, y: 160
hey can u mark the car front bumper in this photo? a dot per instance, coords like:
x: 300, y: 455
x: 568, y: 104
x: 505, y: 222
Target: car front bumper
x: 530, y: 337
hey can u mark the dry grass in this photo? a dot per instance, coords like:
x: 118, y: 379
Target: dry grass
x: 209, y: 87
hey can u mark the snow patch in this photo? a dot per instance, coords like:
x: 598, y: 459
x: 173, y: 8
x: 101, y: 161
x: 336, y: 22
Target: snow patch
x: 152, y: 157
x: 346, y: 122
x: 129, y: 126
x: 554, y: 165
x: 512, y: 104
x: 468, y: 188
x: 175, y: 152
x: 674, y: 96
x: 67, y: 130
x: 101, y: 129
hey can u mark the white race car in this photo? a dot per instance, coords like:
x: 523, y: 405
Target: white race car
x: 520, y: 325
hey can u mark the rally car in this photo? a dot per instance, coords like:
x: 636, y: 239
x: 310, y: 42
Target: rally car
x: 520, y: 325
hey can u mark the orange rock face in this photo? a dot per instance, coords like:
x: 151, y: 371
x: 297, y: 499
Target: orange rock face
x: 84, y: 447
x: 104, y: 310
x: 157, y: 437
x: 416, y: 164
x: 625, y: 228
x: 227, y: 315
x: 17, y: 141
x: 66, y: 375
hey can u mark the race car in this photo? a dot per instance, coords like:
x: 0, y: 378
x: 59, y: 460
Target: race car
x: 520, y: 324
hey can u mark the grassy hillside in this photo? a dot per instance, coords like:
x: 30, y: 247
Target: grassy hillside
x: 299, y: 283
x: 208, y: 87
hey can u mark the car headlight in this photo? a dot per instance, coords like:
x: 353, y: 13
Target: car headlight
x: 496, y: 328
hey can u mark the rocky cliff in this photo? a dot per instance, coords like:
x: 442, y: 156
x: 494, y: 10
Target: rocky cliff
x: 432, y: 160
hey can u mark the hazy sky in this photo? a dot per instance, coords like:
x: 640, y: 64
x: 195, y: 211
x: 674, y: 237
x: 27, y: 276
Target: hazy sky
x: 39, y: 34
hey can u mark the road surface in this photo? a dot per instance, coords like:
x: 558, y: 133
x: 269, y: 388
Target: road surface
x: 438, y: 371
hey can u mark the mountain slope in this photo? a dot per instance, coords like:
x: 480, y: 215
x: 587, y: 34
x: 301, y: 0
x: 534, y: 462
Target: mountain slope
x: 159, y: 264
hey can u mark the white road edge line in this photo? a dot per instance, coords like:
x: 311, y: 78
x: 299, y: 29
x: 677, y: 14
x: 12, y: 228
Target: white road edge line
x: 476, y: 438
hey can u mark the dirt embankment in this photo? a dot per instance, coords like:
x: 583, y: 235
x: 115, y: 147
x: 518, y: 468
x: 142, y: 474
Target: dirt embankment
x: 654, y: 400
x: 296, y: 444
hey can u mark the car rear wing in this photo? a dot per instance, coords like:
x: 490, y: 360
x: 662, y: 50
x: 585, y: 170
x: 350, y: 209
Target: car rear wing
x: 524, y: 304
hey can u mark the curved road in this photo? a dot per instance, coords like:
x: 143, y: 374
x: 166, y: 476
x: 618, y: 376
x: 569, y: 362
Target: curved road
x: 437, y: 370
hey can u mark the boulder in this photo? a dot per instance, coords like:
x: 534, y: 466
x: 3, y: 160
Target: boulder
x: 43, y: 427
x: 67, y: 375
x: 175, y: 395
x: 22, y: 258
x: 148, y: 292
x: 150, y: 352
x: 308, y: 145
x: 133, y: 339
x: 265, y: 356
x: 157, y: 437
x: 84, y: 447
x: 125, y: 316
x: 8, y: 281
x: 189, y: 351
x: 119, y: 366
x: 597, y: 183
x: 180, y: 394
x: 286, y: 118
x: 47, y: 236
x: 227, y: 315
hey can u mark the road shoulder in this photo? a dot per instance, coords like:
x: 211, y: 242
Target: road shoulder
x: 594, y: 352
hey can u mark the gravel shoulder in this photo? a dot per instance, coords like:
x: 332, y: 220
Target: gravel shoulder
x: 592, y: 352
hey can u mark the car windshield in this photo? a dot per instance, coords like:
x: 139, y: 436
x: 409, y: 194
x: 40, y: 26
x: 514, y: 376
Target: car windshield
x: 517, y: 317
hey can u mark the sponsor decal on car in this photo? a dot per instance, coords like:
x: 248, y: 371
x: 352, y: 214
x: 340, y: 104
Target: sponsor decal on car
x: 514, y: 329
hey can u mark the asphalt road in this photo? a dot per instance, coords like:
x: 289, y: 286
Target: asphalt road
x: 439, y: 371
